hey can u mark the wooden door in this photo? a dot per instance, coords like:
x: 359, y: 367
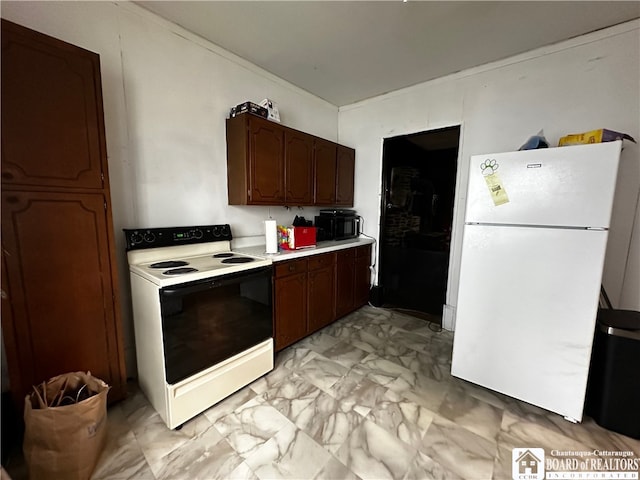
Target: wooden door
x: 59, y: 288
x: 266, y: 162
x: 52, y: 120
x: 290, y: 306
x: 324, y: 172
x: 362, y: 276
x: 298, y: 159
x: 321, y: 291
x: 345, y: 277
x: 60, y: 298
x: 345, y: 171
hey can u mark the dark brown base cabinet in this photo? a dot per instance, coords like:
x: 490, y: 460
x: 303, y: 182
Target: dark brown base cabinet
x: 290, y: 302
x: 270, y: 164
x: 312, y: 292
x: 353, y: 279
x: 60, y: 308
x: 320, y: 294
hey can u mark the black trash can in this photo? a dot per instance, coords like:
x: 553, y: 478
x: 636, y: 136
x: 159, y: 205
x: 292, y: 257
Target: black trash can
x: 613, y: 394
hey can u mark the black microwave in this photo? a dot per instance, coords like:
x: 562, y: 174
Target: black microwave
x: 337, y: 225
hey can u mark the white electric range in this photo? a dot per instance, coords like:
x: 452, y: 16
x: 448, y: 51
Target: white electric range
x: 202, y: 317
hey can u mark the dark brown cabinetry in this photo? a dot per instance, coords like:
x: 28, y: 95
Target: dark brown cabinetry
x: 255, y: 166
x: 345, y: 278
x: 290, y: 302
x: 312, y: 292
x: 298, y: 161
x: 271, y: 164
x: 60, y: 298
x: 345, y: 169
x: 321, y: 293
x: 325, y: 173
x: 362, y: 276
x: 352, y: 279
x: 51, y: 121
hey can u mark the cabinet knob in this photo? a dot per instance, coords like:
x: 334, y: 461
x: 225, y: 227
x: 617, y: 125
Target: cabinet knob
x: 292, y: 268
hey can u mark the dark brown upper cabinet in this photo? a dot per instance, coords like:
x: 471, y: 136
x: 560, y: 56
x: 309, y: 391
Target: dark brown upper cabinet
x: 298, y: 164
x: 271, y: 164
x: 325, y: 172
x: 255, y: 161
x: 345, y: 170
x: 52, y: 112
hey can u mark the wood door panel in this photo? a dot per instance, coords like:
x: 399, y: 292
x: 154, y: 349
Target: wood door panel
x: 325, y: 172
x: 298, y: 168
x: 345, y: 278
x: 321, y: 284
x: 345, y: 171
x: 291, y: 309
x: 59, y: 279
x: 51, y: 112
x: 266, y: 153
x: 362, y: 276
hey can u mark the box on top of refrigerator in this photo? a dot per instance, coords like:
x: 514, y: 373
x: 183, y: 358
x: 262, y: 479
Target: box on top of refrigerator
x: 593, y: 136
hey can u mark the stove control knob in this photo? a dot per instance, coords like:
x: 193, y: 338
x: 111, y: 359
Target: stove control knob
x: 149, y: 237
x: 136, y: 238
x: 226, y: 231
x: 197, y: 233
x: 216, y: 231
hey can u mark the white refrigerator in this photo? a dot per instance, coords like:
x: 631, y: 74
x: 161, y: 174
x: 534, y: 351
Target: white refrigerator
x: 536, y: 227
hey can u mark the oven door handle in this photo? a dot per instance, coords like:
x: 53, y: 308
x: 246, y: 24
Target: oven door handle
x: 210, y: 283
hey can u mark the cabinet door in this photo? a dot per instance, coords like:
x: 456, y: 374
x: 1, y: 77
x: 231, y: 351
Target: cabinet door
x: 59, y: 289
x: 52, y: 120
x: 298, y: 161
x: 290, y: 323
x: 266, y: 162
x: 345, y: 277
x: 321, y: 284
x: 362, y: 281
x: 345, y: 170
x: 324, y: 172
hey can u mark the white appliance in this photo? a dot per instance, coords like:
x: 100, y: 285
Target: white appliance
x: 202, y: 317
x: 531, y: 269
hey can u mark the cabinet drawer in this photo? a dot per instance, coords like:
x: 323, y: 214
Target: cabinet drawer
x: 319, y: 261
x: 290, y: 267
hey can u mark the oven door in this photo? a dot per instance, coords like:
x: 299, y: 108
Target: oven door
x: 211, y: 320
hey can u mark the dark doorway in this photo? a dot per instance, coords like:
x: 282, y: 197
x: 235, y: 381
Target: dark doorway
x: 418, y: 175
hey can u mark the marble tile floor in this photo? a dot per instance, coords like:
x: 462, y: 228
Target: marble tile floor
x: 368, y: 397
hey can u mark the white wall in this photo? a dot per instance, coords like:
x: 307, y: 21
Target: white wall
x: 166, y: 96
x: 583, y: 84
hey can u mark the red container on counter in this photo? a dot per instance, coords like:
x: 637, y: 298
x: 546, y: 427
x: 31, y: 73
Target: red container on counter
x: 301, y: 237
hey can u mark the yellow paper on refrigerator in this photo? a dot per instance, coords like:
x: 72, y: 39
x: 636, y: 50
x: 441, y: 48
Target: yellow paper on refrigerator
x: 496, y: 189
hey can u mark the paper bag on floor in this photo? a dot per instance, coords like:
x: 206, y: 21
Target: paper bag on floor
x: 65, y: 426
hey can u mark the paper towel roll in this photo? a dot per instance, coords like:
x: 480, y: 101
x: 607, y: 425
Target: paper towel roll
x: 271, y: 236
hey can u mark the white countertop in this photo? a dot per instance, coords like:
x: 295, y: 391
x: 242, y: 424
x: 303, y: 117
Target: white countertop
x: 321, y: 247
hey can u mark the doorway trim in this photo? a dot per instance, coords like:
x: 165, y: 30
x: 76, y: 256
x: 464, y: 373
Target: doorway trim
x: 448, y: 314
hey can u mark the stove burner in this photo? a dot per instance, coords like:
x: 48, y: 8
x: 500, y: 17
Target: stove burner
x: 238, y: 260
x: 180, y: 271
x: 223, y: 255
x: 169, y: 264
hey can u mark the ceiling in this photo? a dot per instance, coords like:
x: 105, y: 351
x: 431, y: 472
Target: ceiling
x: 347, y: 51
